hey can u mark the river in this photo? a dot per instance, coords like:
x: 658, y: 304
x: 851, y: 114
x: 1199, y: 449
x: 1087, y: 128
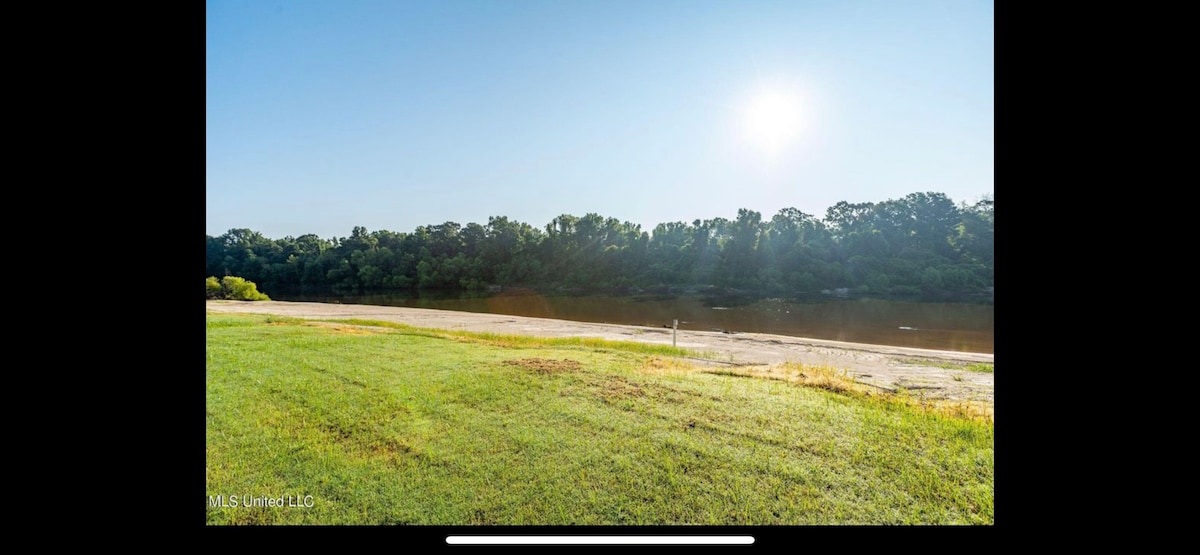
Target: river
x: 962, y: 327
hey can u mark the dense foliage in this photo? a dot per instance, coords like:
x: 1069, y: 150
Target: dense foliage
x: 920, y: 245
x: 232, y: 288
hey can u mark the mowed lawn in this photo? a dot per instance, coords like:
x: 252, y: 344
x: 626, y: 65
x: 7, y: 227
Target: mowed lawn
x: 356, y: 425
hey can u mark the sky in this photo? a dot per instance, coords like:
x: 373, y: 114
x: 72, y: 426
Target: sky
x: 325, y: 115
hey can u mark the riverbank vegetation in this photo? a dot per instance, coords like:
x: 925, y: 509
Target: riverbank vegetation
x: 233, y: 288
x: 922, y: 245
x: 357, y: 424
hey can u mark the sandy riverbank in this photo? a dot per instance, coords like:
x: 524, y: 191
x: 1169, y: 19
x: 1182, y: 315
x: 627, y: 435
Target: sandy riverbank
x: 880, y: 365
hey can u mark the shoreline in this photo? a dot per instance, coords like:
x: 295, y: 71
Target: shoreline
x: 930, y: 371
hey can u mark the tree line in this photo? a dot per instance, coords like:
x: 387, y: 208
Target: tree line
x: 921, y: 245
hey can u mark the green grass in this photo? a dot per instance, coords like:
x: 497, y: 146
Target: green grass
x: 527, y: 341
x: 388, y: 425
x: 983, y: 367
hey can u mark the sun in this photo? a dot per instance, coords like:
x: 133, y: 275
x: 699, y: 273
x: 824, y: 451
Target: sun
x: 772, y: 120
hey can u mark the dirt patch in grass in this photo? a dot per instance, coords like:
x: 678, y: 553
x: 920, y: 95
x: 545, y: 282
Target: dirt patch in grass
x: 546, y: 365
x: 352, y: 330
x: 658, y: 365
x: 619, y: 388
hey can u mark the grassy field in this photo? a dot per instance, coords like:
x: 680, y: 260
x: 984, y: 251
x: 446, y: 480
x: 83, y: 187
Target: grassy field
x: 387, y: 425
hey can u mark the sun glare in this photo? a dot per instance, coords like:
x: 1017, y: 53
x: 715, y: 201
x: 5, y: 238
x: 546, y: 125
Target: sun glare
x: 772, y: 120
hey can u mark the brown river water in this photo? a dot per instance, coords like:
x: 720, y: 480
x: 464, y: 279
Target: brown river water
x: 961, y: 327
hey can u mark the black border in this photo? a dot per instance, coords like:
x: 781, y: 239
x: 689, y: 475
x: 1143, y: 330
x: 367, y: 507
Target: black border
x: 765, y: 537
x: 1034, y: 507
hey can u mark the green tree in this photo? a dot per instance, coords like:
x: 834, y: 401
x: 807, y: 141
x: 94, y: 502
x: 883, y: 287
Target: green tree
x: 919, y: 243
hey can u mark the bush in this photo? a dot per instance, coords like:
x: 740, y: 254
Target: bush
x: 212, y: 289
x: 233, y: 288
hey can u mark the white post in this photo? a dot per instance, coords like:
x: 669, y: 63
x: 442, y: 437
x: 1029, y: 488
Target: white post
x: 674, y: 328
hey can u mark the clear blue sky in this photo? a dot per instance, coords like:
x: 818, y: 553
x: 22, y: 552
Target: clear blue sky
x: 325, y: 115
